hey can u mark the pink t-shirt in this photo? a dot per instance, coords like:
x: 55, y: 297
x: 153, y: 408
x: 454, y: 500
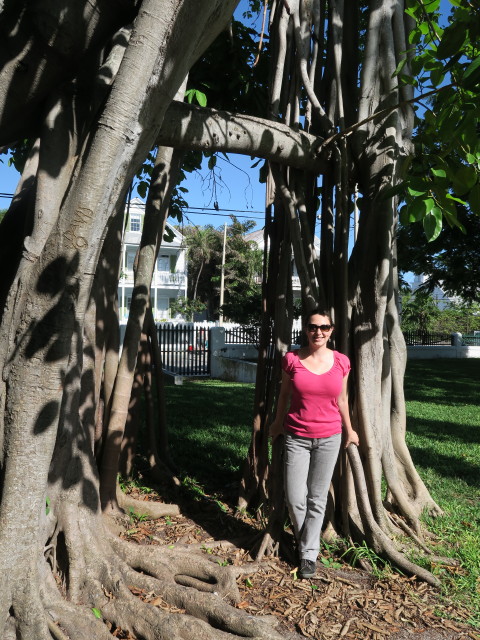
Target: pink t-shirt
x: 313, y: 409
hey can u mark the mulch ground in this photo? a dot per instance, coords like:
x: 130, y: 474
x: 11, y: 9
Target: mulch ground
x: 341, y: 602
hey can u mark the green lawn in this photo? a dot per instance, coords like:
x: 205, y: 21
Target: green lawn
x: 209, y: 429
x: 210, y: 423
x: 443, y: 407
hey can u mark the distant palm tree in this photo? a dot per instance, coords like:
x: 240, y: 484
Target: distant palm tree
x: 202, y: 245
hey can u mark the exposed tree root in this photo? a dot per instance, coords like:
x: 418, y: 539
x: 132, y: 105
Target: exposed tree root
x: 55, y: 630
x: 152, y: 509
x: 376, y: 538
x: 98, y: 579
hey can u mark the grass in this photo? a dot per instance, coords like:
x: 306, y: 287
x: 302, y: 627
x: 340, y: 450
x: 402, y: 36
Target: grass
x: 209, y: 429
x: 210, y: 424
x: 443, y: 400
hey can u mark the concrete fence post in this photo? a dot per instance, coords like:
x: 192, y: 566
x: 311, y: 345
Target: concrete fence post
x: 456, y: 339
x: 217, y: 348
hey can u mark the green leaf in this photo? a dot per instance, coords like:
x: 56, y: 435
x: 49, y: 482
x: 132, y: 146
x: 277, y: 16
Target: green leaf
x: 168, y: 235
x: 439, y: 173
x: 450, y: 197
x: 404, y: 219
x: 471, y: 75
x: 437, y: 76
x: 47, y: 507
x: 419, y: 208
x: 452, y: 41
x: 262, y: 174
x: 201, y: 98
x: 464, y: 179
x: 431, y: 6
x: 416, y: 192
x: 453, y: 221
x: 97, y: 613
x: 142, y: 188
x: 400, y: 66
x: 432, y: 224
x: 414, y: 36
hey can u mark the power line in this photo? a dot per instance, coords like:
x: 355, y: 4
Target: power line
x: 198, y: 211
x: 222, y: 215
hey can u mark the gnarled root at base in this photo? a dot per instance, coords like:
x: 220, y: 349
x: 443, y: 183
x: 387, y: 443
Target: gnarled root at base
x: 100, y: 576
x: 376, y: 538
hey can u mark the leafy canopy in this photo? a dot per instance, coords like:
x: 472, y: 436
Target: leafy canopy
x: 444, y: 67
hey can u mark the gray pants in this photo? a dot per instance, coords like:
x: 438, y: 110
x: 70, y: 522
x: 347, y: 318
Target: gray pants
x: 309, y: 466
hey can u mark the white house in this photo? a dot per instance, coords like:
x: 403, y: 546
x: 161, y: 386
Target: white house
x: 257, y: 238
x: 169, y: 278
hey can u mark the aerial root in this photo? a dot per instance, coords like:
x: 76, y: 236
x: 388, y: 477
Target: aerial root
x: 149, y: 622
x: 399, y: 522
x: 224, y: 545
x: 153, y: 510
x: 78, y: 622
x: 377, y: 539
x: 141, y: 589
x: 268, y: 547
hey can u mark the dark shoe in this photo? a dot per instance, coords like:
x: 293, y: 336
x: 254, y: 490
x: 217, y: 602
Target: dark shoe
x: 307, y: 569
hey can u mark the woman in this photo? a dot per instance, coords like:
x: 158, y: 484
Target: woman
x: 311, y: 410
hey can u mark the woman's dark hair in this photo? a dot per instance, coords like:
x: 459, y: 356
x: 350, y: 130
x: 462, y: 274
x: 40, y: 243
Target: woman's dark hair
x: 316, y: 312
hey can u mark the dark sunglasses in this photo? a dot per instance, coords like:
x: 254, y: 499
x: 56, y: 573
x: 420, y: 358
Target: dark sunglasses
x: 322, y: 327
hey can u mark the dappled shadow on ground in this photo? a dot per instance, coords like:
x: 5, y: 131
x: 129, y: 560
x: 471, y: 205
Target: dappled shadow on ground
x: 339, y: 602
x: 452, y: 465
x: 211, y: 433
x: 442, y: 465
x: 458, y: 387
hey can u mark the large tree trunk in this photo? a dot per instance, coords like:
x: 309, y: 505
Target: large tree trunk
x: 47, y: 449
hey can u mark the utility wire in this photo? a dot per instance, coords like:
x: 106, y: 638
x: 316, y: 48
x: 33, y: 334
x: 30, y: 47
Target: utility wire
x: 198, y: 211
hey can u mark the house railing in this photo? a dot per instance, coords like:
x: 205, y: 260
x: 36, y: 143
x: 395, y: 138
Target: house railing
x: 176, y: 278
x: 427, y: 338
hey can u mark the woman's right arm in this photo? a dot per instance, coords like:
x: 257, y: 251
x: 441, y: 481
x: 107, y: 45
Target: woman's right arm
x: 276, y: 428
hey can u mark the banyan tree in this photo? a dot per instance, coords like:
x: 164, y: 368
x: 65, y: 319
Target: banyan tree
x: 87, y: 90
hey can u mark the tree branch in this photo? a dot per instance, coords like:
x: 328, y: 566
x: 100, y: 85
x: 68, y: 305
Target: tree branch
x: 189, y: 127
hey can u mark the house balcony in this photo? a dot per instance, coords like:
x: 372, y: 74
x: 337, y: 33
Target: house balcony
x: 178, y: 279
x: 166, y: 279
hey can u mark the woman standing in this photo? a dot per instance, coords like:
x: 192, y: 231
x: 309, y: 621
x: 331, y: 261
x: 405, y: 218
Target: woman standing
x: 312, y: 409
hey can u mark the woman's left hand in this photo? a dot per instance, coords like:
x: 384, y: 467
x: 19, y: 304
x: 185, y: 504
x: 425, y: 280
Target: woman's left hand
x: 351, y: 437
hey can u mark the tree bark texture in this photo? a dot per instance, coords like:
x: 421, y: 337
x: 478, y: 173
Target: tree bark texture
x: 355, y: 281
x: 71, y: 195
